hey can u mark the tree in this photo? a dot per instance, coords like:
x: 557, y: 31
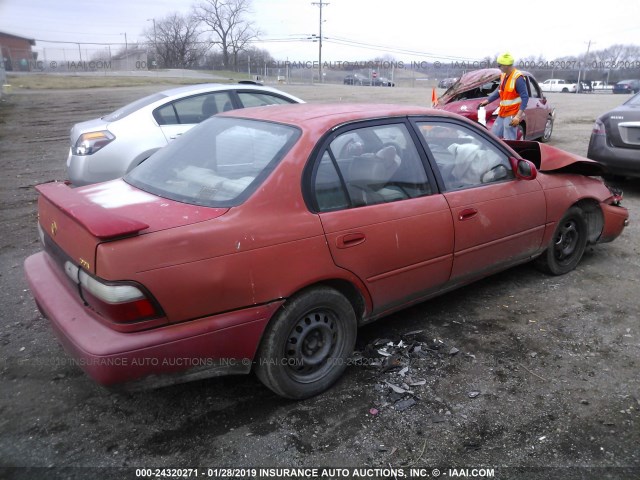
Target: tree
x: 231, y: 31
x: 258, y: 58
x: 175, y: 41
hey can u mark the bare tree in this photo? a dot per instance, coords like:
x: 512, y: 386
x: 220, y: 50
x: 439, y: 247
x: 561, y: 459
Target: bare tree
x: 258, y: 58
x: 175, y: 41
x: 225, y: 19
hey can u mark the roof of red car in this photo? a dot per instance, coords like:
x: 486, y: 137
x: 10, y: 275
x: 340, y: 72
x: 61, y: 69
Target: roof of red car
x: 332, y: 113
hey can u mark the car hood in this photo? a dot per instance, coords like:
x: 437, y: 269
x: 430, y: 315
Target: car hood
x: 469, y: 81
x: 553, y: 160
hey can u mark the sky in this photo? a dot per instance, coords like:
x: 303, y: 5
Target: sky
x: 352, y: 30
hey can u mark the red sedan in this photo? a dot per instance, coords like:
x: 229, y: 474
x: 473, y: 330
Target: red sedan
x: 264, y: 237
x: 466, y: 94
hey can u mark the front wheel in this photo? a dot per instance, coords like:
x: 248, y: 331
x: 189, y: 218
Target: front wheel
x: 306, y: 346
x: 567, y: 245
x: 548, y: 130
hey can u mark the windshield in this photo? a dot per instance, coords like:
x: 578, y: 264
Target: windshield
x: 218, y: 163
x: 132, y: 107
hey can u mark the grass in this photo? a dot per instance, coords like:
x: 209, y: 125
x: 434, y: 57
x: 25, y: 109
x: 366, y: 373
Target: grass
x: 37, y: 81
x: 71, y: 81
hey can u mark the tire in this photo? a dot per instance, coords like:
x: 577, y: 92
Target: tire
x: 567, y: 245
x: 565, y: 90
x: 548, y: 130
x: 306, y: 346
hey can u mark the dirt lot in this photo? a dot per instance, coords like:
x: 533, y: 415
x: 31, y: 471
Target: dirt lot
x: 530, y: 375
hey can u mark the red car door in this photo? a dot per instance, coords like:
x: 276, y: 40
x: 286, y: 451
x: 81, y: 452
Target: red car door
x: 381, y: 215
x: 537, y: 111
x: 495, y: 224
x: 497, y: 218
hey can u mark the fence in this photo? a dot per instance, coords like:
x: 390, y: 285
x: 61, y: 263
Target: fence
x: 114, y: 58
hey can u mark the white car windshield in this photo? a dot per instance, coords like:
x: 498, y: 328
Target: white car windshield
x: 219, y: 163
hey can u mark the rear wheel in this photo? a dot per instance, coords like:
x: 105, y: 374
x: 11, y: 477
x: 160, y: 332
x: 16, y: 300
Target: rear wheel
x: 567, y: 246
x: 307, y: 344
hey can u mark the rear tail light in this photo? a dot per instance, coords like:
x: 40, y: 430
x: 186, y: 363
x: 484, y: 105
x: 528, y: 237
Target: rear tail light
x: 119, y: 302
x: 89, y: 143
x: 598, y: 128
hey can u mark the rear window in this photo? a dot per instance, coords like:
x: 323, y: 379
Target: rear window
x: 218, y: 163
x: 132, y: 107
x: 633, y: 101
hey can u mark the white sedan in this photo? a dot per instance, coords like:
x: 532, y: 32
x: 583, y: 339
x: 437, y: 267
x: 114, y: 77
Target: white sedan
x: 106, y: 148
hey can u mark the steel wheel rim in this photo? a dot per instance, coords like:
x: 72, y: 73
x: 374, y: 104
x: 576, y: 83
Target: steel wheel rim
x: 566, y: 242
x: 311, y: 345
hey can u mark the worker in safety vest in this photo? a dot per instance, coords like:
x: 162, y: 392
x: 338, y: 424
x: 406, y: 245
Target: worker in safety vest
x: 513, y: 99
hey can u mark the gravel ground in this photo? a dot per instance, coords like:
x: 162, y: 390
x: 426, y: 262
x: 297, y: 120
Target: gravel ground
x: 530, y: 375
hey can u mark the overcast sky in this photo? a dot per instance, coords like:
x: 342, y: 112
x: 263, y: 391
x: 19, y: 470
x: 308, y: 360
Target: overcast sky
x: 355, y: 30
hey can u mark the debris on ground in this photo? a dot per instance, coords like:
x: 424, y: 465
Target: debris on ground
x: 407, y: 367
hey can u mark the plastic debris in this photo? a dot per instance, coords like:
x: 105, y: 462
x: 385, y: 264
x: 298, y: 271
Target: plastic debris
x: 474, y: 394
x: 398, y: 389
x: 404, y: 404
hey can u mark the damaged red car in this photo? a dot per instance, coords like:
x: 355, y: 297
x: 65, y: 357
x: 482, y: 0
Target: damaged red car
x: 262, y: 238
x: 464, y: 98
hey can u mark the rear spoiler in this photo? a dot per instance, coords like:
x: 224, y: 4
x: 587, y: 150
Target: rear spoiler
x: 100, y: 222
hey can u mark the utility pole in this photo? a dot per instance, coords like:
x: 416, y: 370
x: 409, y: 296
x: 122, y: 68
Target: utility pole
x: 320, y: 4
x: 155, y: 41
x: 586, y: 59
x: 126, y: 51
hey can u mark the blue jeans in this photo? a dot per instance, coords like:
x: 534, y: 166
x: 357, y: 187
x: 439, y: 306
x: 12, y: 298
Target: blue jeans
x: 503, y: 129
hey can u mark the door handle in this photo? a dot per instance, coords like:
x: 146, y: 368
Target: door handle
x: 467, y: 213
x: 175, y: 136
x: 350, y: 240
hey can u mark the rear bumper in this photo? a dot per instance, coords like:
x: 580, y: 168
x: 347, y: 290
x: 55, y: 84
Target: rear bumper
x: 618, y: 161
x: 80, y: 173
x: 217, y: 345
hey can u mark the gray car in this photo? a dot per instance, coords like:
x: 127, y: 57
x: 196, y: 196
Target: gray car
x: 615, y: 139
x: 106, y: 148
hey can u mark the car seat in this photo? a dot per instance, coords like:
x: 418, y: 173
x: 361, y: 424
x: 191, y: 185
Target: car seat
x: 209, y: 107
x: 368, y: 175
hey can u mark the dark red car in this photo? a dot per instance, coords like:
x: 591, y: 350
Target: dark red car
x: 464, y: 97
x: 262, y: 238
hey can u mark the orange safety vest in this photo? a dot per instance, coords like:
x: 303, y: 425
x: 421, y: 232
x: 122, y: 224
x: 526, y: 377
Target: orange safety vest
x: 509, y: 99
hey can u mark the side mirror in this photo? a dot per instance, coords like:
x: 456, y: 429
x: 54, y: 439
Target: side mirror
x: 523, y: 169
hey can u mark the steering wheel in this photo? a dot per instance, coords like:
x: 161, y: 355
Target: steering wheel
x: 496, y: 172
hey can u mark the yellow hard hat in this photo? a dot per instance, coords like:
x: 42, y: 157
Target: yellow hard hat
x: 505, y: 59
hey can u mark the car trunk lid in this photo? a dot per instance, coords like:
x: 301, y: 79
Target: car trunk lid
x: 78, y: 220
x: 623, y: 127
x: 95, y: 125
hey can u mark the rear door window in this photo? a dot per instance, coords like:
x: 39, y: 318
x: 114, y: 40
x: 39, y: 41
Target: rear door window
x: 192, y: 110
x: 368, y: 166
x: 260, y: 99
